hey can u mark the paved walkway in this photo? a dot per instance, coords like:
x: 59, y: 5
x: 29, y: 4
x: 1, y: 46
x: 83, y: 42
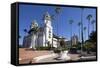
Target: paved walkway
x: 29, y: 56
x: 46, y: 58
x: 74, y: 57
x: 26, y: 55
x: 53, y: 58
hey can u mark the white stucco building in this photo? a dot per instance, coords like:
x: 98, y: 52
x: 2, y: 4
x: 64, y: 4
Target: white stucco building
x: 40, y: 36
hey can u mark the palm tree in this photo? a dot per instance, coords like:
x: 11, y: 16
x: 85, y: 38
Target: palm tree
x: 84, y: 33
x: 93, y: 24
x: 79, y: 24
x: 71, y: 22
x: 89, y: 21
x: 57, y: 11
x: 82, y: 39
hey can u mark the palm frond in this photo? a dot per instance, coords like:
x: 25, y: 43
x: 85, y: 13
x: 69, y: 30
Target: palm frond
x: 89, y: 16
x: 57, y: 9
x: 25, y: 30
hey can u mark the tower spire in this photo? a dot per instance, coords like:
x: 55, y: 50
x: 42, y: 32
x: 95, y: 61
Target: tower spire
x: 47, y: 16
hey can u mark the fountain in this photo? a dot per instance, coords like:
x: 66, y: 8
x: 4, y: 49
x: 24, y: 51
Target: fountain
x: 63, y: 55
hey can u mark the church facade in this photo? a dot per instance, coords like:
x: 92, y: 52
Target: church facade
x: 40, y: 36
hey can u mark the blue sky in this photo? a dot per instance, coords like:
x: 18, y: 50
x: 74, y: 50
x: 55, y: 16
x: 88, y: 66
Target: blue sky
x: 28, y: 13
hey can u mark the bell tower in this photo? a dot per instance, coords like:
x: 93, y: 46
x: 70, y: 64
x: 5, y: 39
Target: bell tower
x: 48, y: 29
